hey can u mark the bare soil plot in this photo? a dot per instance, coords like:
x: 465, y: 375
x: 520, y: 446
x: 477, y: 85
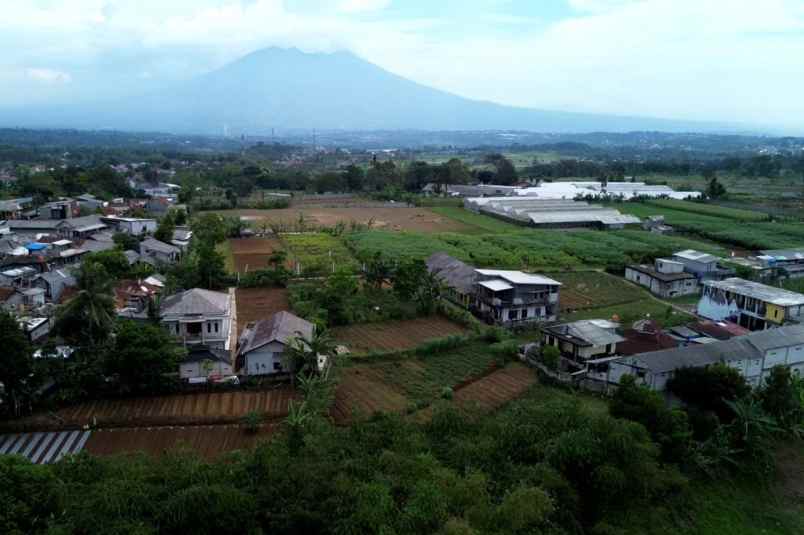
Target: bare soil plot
x: 497, y: 388
x: 259, y: 303
x: 394, y: 335
x: 251, y: 254
x: 387, y: 218
x: 179, y: 409
x: 362, y: 392
x: 206, y: 441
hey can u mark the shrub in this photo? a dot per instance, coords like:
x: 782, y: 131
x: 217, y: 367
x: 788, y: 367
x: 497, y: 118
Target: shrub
x: 550, y: 356
x: 252, y: 421
x: 446, y: 393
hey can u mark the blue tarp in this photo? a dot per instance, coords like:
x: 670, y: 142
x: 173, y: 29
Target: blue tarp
x: 34, y: 246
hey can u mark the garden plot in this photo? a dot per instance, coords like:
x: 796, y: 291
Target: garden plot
x: 394, y: 335
x: 317, y: 253
x: 251, y: 254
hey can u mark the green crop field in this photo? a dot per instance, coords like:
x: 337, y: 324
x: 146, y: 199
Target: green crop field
x: 594, y: 289
x: 753, y: 234
x: 527, y: 249
x: 316, y: 253
x: 709, y: 209
x: 482, y: 223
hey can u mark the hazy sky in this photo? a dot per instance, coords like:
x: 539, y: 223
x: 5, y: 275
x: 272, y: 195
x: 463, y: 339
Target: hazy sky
x: 733, y: 60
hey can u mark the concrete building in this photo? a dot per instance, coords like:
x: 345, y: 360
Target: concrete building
x: 262, y: 345
x: 582, y: 341
x: 704, y: 266
x: 207, y: 362
x: 132, y: 225
x: 752, y: 305
x: 787, y: 262
x: 159, y: 252
x: 502, y: 297
x: 754, y: 355
x: 666, y: 278
x: 200, y: 318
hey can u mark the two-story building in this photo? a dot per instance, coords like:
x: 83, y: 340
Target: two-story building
x: 136, y: 226
x: 159, y: 252
x: 582, y: 341
x: 503, y: 297
x: 703, y: 265
x: 200, y: 317
x: 666, y: 278
x: 752, y: 305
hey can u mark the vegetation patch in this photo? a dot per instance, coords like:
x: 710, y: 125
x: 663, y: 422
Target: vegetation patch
x: 394, y: 335
x: 317, y: 253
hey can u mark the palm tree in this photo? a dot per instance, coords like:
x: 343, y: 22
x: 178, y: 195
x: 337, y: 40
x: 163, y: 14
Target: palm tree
x: 91, y: 312
x: 301, y: 355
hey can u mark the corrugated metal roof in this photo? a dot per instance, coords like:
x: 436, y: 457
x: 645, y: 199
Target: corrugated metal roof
x: 496, y: 285
x: 44, y: 447
x: 519, y: 277
x: 790, y: 335
x: 756, y: 290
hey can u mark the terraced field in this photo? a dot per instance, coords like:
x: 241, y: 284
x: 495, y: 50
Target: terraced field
x: 394, y: 335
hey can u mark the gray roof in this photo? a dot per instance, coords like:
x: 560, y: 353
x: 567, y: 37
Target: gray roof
x: 774, y: 338
x: 85, y: 222
x: 586, y: 332
x: 695, y: 256
x: 9, y: 206
x: 35, y: 224
x: 664, y: 277
x: 452, y: 271
x: 197, y: 302
x: 785, y: 254
x: 698, y: 355
x: 159, y: 246
x: 606, y: 217
x: 763, y: 292
x: 97, y: 246
x: 282, y: 327
x: 202, y: 353
x: 132, y: 257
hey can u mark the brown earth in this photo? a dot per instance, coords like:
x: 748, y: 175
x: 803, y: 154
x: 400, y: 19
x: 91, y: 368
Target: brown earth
x: 394, y: 335
x: 179, y: 409
x: 206, y: 441
x: 259, y: 303
x: 386, y: 218
x: 251, y: 254
x: 361, y: 392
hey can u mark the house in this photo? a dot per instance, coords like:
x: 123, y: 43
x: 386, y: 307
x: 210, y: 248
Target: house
x: 753, y: 355
x: 36, y: 227
x: 132, y: 257
x: 160, y: 252
x: 582, y: 341
x: 133, y: 298
x: 132, y: 225
x: 719, y: 330
x: 61, y: 209
x: 181, y: 237
x: 54, y: 283
x: 704, y: 266
x: 207, y: 362
x: 656, y: 224
x: 666, y: 278
x: 10, y: 210
x: 83, y: 227
x: 200, y: 317
x: 262, y: 345
x: 35, y: 329
x: 752, y: 305
x: 90, y: 202
x: 645, y: 336
x: 502, y: 297
x: 787, y: 262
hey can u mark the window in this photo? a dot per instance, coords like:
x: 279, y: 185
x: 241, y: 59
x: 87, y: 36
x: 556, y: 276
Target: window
x: 277, y: 366
x: 209, y: 328
x: 217, y: 325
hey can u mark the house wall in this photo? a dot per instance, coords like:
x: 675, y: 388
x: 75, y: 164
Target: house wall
x: 196, y: 369
x: 265, y: 360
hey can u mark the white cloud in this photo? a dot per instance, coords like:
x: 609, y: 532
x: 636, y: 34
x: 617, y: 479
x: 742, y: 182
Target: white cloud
x: 48, y: 76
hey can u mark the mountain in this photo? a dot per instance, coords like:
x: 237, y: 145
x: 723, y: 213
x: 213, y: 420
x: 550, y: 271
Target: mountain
x: 290, y: 89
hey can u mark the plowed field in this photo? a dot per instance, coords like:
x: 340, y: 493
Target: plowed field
x: 206, y: 441
x: 183, y: 409
x: 394, y: 335
x: 362, y: 392
x: 251, y: 254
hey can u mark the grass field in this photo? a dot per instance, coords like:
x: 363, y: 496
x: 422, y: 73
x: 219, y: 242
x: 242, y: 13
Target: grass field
x: 794, y: 285
x: 594, y: 289
x: 709, y: 209
x: 480, y: 222
x: 225, y: 249
x: 528, y: 249
x: 394, y: 335
x: 315, y: 253
x: 647, y: 307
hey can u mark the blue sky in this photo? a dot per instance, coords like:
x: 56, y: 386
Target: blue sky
x: 725, y: 60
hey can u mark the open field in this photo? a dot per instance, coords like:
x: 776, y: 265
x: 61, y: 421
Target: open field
x: 395, y: 385
x: 250, y: 254
x: 708, y: 209
x: 316, y: 253
x: 528, y: 249
x: 387, y: 218
x: 594, y: 289
x: 497, y: 388
x: 627, y: 313
x: 206, y: 441
x: 751, y: 234
x: 394, y: 335
x: 481, y: 222
x: 180, y: 409
x: 259, y: 303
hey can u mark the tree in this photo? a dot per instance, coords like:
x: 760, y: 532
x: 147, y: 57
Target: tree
x: 354, y: 177
x: 209, y: 228
x: 126, y: 242
x: 715, y: 189
x: 378, y: 271
x: 89, y: 316
x: 779, y: 397
x: 506, y: 172
x: 668, y: 427
x: 16, y: 364
x: 114, y: 261
x: 709, y: 387
x: 408, y: 277
x: 164, y: 232
x: 301, y: 355
x: 142, y: 356
x: 550, y: 356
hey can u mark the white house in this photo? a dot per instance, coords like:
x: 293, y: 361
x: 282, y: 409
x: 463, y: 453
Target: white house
x: 132, y: 225
x: 666, y: 278
x: 200, y: 317
x: 262, y: 344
